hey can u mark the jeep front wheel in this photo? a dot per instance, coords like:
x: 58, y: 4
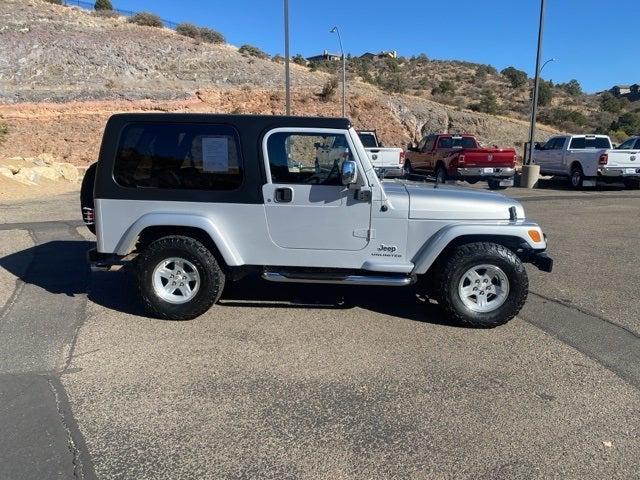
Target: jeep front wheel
x: 178, y: 278
x: 483, y: 285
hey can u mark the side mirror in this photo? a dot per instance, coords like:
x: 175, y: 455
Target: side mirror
x: 380, y: 144
x: 537, y: 146
x: 349, y: 172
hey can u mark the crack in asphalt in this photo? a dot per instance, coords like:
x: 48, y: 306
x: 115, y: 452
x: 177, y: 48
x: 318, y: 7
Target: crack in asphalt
x: 43, y: 233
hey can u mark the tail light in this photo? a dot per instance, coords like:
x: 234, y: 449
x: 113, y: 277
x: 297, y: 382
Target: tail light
x: 88, y: 215
x: 401, y: 157
x: 604, y: 159
x: 461, y: 160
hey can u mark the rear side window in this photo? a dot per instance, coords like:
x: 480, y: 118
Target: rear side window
x: 179, y: 156
x: 368, y: 140
x: 582, y: 143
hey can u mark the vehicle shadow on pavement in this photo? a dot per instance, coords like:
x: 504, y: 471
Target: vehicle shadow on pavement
x: 396, y: 302
x: 60, y: 267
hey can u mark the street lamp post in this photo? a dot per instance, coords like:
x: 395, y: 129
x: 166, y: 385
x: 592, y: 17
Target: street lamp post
x: 531, y: 109
x: 534, y: 109
x: 287, y: 72
x: 344, y: 72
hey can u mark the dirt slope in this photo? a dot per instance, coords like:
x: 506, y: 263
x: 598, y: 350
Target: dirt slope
x: 64, y: 71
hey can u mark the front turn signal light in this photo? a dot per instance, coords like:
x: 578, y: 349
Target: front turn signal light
x: 535, y: 235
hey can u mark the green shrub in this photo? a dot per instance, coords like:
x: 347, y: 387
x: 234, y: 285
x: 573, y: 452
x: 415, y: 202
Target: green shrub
x: 517, y: 78
x: 564, y: 118
x: 252, y: 51
x: 103, y: 5
x: 628, y: 122
x: 202, y: 34
x: 545, y: 93
x: 146, y: 19
x: 329, y: 89
x: 445, y: 87
x: 612, y: 104
x: 300, y: 60
x: 488, y: 103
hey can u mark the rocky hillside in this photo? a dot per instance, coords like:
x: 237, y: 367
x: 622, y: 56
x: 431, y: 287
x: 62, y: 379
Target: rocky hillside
x: 63, y: 71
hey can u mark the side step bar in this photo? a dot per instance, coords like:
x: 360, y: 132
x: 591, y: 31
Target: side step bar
x: 379, y: 280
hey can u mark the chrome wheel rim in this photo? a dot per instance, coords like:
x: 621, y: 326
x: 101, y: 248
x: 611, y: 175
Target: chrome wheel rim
x: 483, y: 288
x: 176, y: 280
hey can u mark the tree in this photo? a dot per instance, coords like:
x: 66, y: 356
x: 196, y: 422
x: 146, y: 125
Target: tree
x: 252, y: 51
x: 545, y: 93
x: 103, y: 5
x: 612, y: 104
x: 518, y: 78
x: 572, y: 87
x: 487, y: 104
x: 628, y: 122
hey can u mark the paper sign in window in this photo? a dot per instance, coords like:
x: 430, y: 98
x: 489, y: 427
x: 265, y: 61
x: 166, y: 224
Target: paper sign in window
x: 215, y: 154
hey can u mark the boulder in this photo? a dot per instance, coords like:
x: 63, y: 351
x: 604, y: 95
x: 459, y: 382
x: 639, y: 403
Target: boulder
x: 6, y: 172
x: 26, y: 176
x: 68, y: 171
x: 46, y: 158
x: 47, y: 172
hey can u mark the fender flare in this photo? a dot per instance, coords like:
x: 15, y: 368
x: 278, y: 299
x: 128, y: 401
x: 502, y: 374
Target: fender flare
x: 127, y: 243
x: 432, y: 249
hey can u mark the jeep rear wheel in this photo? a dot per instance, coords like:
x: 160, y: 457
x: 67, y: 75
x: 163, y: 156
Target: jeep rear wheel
x: 178, y: 278
x: 483, y: 285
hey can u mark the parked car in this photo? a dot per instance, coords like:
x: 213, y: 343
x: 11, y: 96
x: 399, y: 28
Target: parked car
x: 588, y: 159
x: 200, y: 200
x: 387, y: 161
x: 461, y: 157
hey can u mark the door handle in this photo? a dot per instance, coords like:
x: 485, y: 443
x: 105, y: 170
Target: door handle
x: 283, y: 195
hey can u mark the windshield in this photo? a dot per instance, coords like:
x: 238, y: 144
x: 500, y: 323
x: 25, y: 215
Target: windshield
x: 368, y: 140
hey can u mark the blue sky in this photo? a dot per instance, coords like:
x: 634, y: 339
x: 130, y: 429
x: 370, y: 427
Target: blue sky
x: 594, y: 41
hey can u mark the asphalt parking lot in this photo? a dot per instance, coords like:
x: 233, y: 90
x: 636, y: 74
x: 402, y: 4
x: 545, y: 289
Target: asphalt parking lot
x: 307, y: 382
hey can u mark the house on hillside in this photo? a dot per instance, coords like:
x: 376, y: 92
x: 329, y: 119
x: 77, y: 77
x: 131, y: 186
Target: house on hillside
x: 325, y: 56
x: 621, y: 90
x: 371, y: 56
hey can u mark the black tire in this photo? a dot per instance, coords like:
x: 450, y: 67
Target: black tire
x: 463, y: 259
x: 407, y: 169
x: 212, y: 277
x: 576, y: 179
x: 86, y: 193
x: 441, y: 174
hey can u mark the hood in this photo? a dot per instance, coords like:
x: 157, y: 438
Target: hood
x: 456, y: 203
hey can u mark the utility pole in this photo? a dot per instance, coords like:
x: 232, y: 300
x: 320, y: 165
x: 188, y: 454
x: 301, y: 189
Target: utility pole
x: 534, y: 109
x: 287, y: 71
x: 344, y: 72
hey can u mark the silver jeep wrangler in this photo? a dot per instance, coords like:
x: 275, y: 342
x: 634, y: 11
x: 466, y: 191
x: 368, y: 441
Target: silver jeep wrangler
x: 193, y: 200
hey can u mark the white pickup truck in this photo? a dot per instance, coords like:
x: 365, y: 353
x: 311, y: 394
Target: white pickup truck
x: 388, y: 162
x: 589, y: 159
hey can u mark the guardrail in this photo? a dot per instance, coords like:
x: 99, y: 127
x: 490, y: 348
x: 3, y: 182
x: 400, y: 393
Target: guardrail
x: 125, y: 13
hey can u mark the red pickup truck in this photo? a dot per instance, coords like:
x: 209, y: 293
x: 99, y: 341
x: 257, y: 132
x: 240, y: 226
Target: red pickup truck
x: 460, y: 157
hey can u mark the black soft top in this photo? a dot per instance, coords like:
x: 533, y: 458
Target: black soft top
x: 250, y: 128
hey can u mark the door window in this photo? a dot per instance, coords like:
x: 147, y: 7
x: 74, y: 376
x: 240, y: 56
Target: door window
x: 429, y: 144
x: 445, y: 142
x: 307, y: 158
x: 558, y: 144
